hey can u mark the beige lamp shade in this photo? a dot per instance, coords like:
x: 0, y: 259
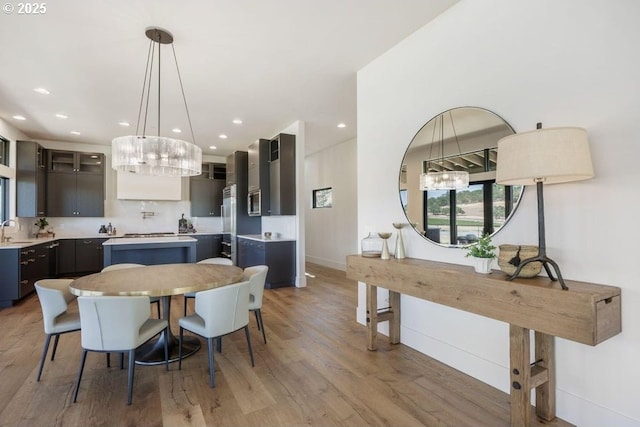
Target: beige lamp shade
x: 551, y: 156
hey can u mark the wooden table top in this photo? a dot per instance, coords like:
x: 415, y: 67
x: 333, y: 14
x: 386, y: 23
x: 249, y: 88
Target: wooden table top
x: 156, y: 280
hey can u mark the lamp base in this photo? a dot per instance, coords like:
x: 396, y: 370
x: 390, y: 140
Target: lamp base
x: 546, y: 261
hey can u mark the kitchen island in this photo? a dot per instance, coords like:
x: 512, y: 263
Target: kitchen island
x: 150, y: 250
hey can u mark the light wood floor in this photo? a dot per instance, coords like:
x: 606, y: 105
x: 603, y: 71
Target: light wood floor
x: 314, y: 370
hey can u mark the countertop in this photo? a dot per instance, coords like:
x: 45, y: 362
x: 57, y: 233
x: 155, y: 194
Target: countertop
x: 23, y: 243
x: 147, y: 240
x: 261, y: 238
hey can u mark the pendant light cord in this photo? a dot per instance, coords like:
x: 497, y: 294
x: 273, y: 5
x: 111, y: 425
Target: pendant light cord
x: 144, y: 84
x: 184, y: 98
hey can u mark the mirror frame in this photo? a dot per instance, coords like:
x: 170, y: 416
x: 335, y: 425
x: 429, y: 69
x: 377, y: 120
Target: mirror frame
x: 495, y: 121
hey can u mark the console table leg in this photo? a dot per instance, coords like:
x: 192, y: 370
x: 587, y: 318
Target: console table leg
x: 520, y: 393
x: 546, y: 393
x: 372, y: 316
x: 394, y: 321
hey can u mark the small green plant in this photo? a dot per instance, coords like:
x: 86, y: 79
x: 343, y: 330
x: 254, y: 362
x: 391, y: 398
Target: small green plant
x: 42, y: 223
x: 482, y: 248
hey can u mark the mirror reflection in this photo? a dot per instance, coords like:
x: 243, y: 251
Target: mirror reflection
x: 460, y: 139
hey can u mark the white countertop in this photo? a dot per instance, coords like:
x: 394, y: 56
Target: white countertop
x: 261, y: 238
x: 147, y: 240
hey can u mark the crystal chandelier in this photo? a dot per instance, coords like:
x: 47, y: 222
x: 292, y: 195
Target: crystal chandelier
x: 442, y: 178
x: 156, y: 155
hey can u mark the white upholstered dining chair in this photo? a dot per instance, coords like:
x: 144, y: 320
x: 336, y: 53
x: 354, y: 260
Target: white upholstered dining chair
x: 54, y: 296
x: 219, y: 311
x: 257, y: 276
x: 152, y: 300
x: 117, y: 324
x: 217, y: 260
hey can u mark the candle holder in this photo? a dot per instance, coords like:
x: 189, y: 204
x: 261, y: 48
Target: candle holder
x: 399, y: 254
x: 385, y: 247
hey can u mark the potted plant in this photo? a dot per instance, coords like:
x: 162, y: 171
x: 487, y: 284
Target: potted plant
x: 42, y: 223
x: 483, y: 254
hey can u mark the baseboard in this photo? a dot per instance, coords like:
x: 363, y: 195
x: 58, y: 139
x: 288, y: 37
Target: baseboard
x: 327, y: 263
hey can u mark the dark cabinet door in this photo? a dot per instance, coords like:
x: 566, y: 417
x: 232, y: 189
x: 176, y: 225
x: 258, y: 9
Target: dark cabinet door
x: 89, y: 255
x: 30, y: 179
x: 204, y: 247
x: 206, y: 197
x: 67, y: 257
x: 217, y: 245
x: 61, y: 194
x: 90, y: 195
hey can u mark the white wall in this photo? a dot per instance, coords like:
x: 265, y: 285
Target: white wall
x: 332, y: 233
x: 561, y: 63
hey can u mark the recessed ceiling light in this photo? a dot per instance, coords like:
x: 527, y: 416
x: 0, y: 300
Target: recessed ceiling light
x: 213, y: 147
x: 176, y: 130
x: 74, y: 132
x: 222, y: 136
x: 62, y: 116
x: 42, y: 91
x: 123, y: 123
x: 19, y: 117
x: 237, y: 121
x: 342, y: 125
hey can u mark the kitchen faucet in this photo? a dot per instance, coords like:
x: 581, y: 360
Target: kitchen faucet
x: 2, y: 238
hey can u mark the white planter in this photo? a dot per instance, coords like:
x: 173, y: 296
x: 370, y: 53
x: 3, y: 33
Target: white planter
x: 482, y: 265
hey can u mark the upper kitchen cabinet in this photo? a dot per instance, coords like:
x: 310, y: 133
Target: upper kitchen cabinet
x: 31, y: 179
x: 282, y: 175
x: 258, y: 173
x: 205, y: 190
x: 75, y: 184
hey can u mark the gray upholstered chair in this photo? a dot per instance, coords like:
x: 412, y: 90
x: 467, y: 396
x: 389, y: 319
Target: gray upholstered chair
x: 257, y: 276
x: 217, y: 260
x: 153, y: 300
x: 219, y: 311
x: 117, y: 324
x: 54, y: 297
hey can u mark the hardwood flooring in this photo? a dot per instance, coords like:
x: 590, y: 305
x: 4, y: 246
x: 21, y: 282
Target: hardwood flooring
x: 315, y: 370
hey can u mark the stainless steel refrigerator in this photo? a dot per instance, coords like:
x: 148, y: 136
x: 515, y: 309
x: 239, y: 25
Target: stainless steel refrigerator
x: 229, y: 221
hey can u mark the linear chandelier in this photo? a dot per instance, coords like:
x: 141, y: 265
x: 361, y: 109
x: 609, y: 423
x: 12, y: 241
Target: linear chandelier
x: 156, y: 155
x: 443, y: 179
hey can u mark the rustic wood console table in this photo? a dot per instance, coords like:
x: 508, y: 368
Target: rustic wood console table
x: 587, y: 313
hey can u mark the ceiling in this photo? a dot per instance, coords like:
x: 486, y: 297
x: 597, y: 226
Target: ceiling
x: 268, y: 63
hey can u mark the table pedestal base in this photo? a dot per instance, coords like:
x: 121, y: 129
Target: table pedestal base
x: 152, y: 353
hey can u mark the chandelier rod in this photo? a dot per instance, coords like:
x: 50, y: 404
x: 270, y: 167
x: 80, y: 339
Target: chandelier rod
x: 144, y: 84
x: 184, y: 98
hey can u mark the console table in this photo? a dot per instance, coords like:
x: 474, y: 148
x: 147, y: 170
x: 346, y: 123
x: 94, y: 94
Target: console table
x: 587, y: 313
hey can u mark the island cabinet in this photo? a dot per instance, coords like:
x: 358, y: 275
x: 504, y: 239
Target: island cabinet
x: 31, y: 175
x: 75, y: 184
x: 278, y: 255
x: 586, y: 313
x: 80, y: 256
x: 21, y: 268
x: 208, y: 246
x: 205, y: 190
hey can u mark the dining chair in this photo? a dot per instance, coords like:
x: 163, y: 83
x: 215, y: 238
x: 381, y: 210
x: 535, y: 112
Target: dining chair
x: 54, y: 296
x: 152, y: 300
x: 219, y: 311
x: 217, y: 260
x: 117, y: 324
x: 257, y: 276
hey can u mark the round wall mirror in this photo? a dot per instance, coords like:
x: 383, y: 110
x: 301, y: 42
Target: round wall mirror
x: 460, y: 139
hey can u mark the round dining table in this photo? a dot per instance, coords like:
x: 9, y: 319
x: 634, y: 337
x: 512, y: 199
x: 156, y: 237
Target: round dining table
x: 162, y: 280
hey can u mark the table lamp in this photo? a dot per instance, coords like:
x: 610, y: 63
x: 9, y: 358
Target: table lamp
x: 543, y: 156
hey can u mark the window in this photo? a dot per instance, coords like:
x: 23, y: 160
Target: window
x: 322, y: 198
x: 480, y: 209
x: 4, y: 151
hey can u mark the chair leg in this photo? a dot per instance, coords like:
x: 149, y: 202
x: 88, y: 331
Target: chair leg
x: 121, y: 360
x: 55, y: 347
x: 246, y: 332
x: 219, y: 344
x: 212, y: 377
x: 158, y: 307
x: 82, y: 360
x: 180, y: 348
x: 257, y: 318
x: 261, y: 324
x: 185, y: 305
x: 132, y: 364
x: 47, y: 340
x: 166, y: 349
x: 108, y: 360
